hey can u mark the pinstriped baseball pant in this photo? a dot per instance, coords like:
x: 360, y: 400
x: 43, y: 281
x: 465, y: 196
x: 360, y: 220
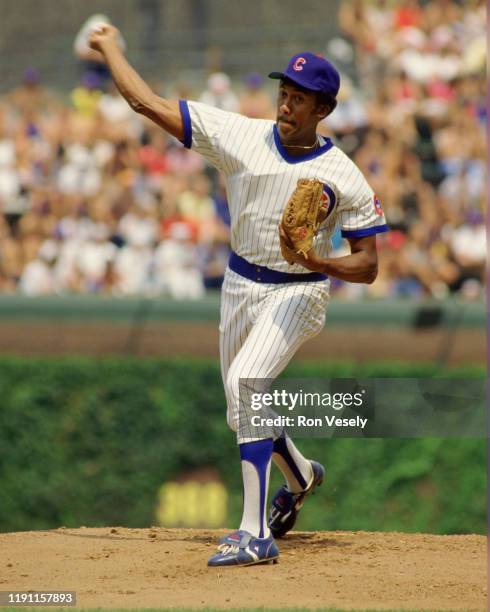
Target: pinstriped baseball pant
x: 261, y: 327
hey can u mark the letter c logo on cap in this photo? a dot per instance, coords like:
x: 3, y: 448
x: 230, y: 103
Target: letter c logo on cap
x: 298, y: 64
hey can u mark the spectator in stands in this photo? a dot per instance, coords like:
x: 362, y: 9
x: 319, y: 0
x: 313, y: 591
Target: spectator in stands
x: 87, y: 95
x: 196, y: 205
x: 255, y: 101
x: 31, y: 96
x: 38, y: 276
x: 175, y: 264
x: 218, y: 93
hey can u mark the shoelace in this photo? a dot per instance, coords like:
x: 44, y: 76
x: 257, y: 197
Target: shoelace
x: 228, y: 549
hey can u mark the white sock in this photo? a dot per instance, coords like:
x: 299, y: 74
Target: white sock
x: 254, y: 518
x: 256, y: 467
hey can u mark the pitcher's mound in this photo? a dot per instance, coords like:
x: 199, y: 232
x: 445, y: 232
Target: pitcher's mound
x: 162, y: 568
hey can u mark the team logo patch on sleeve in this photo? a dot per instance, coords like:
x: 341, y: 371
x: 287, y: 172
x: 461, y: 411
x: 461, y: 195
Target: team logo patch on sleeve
x: 328, y: 199
x: 377, y: 206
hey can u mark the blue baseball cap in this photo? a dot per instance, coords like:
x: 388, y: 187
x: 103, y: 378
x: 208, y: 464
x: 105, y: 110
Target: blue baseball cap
x: 312, y: 72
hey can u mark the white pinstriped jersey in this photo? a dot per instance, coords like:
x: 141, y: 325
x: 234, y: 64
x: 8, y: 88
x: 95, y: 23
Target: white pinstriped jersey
x: 261, y: 176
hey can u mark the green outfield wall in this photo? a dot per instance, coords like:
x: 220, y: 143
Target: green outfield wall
x: 449, y: 332
x: 92, y: 442
x: 427, y: 313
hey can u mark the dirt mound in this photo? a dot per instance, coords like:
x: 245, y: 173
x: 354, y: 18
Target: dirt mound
x: 158, y: 568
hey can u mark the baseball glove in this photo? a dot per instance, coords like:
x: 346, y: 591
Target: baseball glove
x: 303, y: 214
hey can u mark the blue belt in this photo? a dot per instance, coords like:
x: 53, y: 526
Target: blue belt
x: 261, y: 274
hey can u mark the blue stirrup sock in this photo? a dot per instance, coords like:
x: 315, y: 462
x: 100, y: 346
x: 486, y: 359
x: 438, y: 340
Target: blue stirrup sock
x: 256, y: 466
x: 296, y: 469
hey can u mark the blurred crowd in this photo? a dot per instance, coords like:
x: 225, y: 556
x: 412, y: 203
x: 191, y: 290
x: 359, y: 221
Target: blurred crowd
x: 96, y: 199
x: 416, y: 125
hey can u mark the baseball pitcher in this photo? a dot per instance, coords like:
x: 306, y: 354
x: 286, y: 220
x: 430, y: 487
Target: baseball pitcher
x: 288, y: 188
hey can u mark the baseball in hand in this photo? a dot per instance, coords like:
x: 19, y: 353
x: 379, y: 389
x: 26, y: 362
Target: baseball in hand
x: 102, y: 32
x: 97, y: 28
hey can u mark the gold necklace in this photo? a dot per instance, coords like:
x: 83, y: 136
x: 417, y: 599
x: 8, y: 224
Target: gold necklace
x: 313, y: 146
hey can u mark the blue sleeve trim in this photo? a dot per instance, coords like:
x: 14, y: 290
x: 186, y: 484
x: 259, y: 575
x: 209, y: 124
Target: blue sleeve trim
x: 368, y: 231
x: 186, y: 121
